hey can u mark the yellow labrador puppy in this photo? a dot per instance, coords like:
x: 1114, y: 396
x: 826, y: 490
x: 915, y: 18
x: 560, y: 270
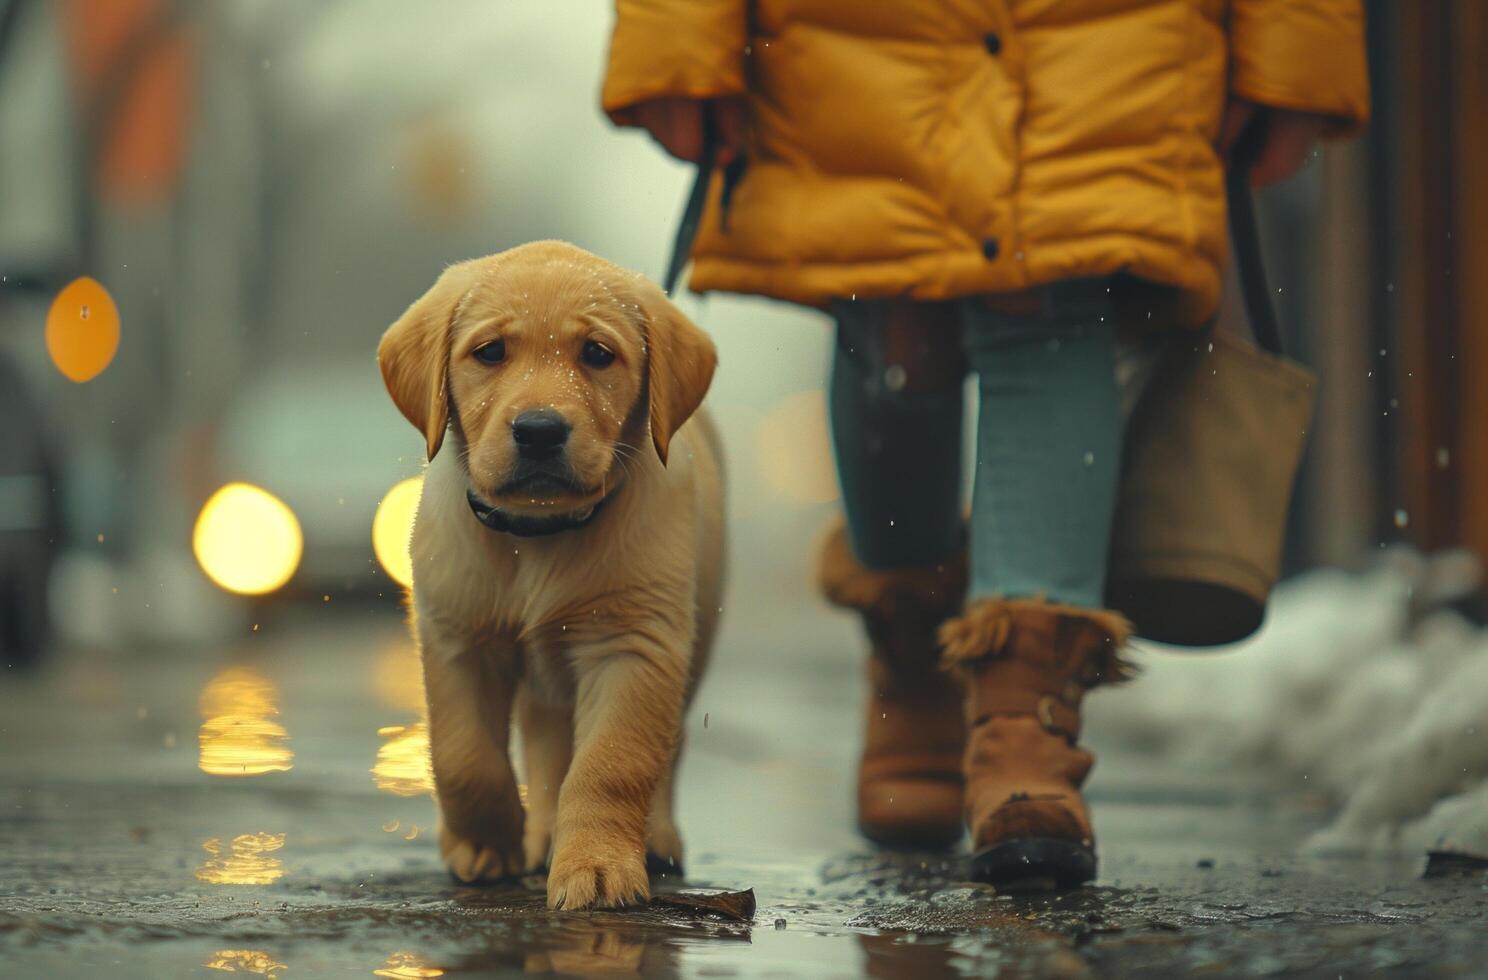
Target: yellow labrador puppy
x: 568, y: 560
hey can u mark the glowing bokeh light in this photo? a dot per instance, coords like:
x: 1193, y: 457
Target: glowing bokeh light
x: 392, y: 527
x: 247, y: 540
x: 795, y: 451
x: 82, y: 330
x: 246, y: 863
x: 239, y: 736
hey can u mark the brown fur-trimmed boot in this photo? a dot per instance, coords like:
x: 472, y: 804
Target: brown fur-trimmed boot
x: 909, y: 781
x: 1025, y: 665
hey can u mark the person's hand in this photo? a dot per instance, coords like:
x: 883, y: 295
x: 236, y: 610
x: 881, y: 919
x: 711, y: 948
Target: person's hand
x: 677, y: 124
x: 1290, y: 137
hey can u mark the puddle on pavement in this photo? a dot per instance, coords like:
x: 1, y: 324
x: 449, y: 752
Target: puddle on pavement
x: 164, y: 871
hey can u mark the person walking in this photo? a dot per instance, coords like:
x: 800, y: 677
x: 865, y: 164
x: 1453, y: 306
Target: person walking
x: 1015, y: 188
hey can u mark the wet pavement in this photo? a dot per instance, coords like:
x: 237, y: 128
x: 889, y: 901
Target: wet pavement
x: 262, y: 808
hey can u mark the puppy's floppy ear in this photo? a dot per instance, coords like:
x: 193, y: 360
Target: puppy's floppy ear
x: 414, y: 354
x: 679, y: 365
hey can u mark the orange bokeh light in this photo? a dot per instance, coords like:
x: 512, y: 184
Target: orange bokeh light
x: 82, y: 330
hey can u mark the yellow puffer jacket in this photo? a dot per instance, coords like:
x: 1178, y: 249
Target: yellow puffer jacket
x: 942, y: 148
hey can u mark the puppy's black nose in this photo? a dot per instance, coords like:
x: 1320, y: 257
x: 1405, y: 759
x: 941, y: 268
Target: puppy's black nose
x: 539, y: 432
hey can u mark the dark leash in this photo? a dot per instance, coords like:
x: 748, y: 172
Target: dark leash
x: 1247, y: 239
x: 697, y: 200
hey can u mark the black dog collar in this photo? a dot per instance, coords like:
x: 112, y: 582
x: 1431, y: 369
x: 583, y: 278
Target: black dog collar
x: 529, y: 527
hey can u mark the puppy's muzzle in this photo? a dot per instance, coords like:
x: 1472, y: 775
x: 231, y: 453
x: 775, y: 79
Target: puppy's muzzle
x: 540, y: 433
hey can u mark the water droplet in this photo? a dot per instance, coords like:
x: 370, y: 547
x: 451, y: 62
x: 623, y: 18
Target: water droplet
x: 1089, y: 458
x: 1401, y: 518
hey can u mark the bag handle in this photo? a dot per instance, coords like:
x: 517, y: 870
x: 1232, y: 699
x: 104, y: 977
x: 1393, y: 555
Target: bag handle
x: 1247, y: 239
x: 1243, y: 231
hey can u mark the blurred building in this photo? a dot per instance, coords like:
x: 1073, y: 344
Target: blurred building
x: 1382, y: 255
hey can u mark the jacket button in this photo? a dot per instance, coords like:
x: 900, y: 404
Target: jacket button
x: 993, y: 42
x: 989, y: 248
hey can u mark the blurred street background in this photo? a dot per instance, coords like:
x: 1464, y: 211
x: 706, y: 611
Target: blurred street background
x: 211, y: 749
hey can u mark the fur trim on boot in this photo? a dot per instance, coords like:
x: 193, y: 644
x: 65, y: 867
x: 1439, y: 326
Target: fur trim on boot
x: 1096, y: 636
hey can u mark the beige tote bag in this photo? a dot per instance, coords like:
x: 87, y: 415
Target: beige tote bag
x: 1212, y: 451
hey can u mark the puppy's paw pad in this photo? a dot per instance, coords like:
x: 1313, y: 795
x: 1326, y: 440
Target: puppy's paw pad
x: 587, y: 882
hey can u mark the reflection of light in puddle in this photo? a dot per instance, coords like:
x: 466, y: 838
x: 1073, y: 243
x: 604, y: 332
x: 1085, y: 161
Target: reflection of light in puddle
x: 400, y: 677
x: 247, y: 864
x: 402, y: 766
x: 245, y: 961
x: 238, y: 734
x: 407, y: 966
x: 394, y: 826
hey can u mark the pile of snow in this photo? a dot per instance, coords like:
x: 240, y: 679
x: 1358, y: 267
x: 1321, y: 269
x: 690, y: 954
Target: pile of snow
x: 1366, y: 685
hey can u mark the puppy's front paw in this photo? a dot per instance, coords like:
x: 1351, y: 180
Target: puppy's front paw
x: 473, y: 862
x: 590, y: 872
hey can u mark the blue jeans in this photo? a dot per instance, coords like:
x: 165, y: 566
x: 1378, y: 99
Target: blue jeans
x: 1048, y: 441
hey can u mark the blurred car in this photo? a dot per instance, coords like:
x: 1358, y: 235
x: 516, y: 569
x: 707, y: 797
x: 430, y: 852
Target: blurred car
x: 30, y: 521
x: 325, y: 442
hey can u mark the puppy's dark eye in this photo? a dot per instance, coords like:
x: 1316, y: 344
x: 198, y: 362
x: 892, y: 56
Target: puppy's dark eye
x: 493, y: 352
x: 597, y: 355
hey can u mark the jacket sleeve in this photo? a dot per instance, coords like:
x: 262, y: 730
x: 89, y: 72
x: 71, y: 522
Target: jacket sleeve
x: 1306, y: 55
x: 687, y: 48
